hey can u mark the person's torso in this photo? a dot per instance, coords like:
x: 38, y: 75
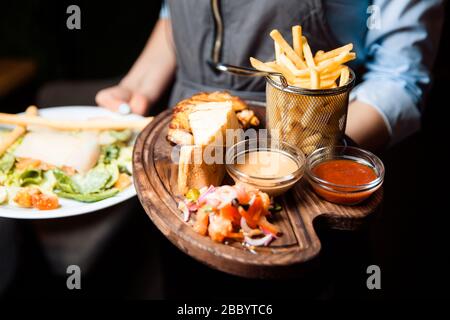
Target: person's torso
x: 245, y: 33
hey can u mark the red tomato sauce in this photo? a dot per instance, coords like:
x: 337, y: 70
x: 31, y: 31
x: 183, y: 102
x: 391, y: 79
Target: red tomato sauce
x: 344, y: 172
x: 347, y: 173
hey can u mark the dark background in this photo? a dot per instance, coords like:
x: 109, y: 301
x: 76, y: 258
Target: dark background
x: 110, y: 39
x: 408, y: 238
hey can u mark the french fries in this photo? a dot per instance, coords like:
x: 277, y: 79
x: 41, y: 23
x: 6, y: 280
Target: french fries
x: 277, y: 52
x: 321, y: 56
x: 344, y: 77
x: 257, y: 64
x: 285, y: 47
x: 308, y: 55
x: 315, y: 80
x: 335, y: 62
x: 303, y: 69
x: 297, y: 40
x: 284, y: 62
x: 307, y: 121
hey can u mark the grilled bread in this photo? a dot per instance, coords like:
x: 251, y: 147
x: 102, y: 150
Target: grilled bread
x: 180, y: 130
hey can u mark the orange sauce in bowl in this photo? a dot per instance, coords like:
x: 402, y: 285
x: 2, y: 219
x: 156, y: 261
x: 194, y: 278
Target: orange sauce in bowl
x: 266, y: 164
x: 272, y: 172
x: 347, y: 173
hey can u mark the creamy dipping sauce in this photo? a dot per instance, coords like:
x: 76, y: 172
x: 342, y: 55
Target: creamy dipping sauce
x: 266, y: 164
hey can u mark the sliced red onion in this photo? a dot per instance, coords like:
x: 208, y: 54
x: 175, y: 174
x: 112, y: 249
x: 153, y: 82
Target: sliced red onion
x: 192, y: 206
x: 212, y: 199
x: 267, y: 232
x: 226, y: 195
x: 245, y: 226
x: 186, y: 215
x: 264, y: 241
x: 247, y: 230
x: 186, y: 212
x: 203, y: 196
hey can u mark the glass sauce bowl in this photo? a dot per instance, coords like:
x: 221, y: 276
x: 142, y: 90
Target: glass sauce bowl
x: 346, y: 194
x: 272, y: 173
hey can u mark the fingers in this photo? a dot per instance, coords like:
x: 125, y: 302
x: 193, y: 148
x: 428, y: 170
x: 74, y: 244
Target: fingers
x: 112, y: 98
x: 139, y: 103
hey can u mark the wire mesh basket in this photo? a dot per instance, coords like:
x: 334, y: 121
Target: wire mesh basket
x: 307, y: 118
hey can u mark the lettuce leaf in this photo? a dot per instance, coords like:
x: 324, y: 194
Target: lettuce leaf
x: 115, y: 137
x: 64, y: 182
x: 32, y: 176
x: 3, y: 178
x: 124, y: 160
x: 7, y: 162
x: 3, y: 195
x: 89, y: 197
x: 93, y: 181
x: 49, y: 182
x: 12, y: 179
x: 114, y: 175
x: 109, y: 153
x: 122, y: 136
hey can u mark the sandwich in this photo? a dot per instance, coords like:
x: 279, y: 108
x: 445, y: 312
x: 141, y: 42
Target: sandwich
x: 180, y: 131
x: 202, y: 163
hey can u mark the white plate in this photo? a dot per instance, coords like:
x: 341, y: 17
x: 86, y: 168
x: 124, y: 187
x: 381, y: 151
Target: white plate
x: 70, y: 207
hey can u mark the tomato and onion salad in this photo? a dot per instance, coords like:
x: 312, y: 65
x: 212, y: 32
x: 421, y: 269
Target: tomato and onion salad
x: 231, y: 212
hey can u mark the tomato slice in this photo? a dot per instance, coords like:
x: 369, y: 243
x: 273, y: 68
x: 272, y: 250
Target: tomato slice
x: 253, y: 214
x: 256, y: 209
x: 247, y: 218
x: 231, y: 213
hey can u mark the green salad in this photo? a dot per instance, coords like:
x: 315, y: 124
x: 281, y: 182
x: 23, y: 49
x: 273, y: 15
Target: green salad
x: 110, y: 175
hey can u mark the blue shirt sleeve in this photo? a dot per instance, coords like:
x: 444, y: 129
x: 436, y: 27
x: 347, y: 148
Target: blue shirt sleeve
x: 164, y: 12
x: 400, y: 52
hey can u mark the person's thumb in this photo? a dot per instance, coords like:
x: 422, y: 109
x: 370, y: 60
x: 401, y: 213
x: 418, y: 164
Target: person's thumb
x: 112, y: 98
x: 139, y: 103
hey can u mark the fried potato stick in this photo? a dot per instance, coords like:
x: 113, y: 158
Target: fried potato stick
x: 287, y: 49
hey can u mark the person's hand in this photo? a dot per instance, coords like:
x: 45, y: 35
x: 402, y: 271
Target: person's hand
x: 111, y: 98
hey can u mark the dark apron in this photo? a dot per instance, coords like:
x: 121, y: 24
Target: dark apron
x: 246, y: 28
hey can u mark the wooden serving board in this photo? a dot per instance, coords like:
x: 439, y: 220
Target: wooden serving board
x: 156, y: 183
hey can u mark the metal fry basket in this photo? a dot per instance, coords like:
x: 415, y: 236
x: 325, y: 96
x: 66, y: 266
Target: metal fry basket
x: 307, y: 118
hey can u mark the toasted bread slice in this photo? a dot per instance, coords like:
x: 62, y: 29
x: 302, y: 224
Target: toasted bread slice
x: 182, y: 110
x: 209, y: 122
x: 220, y: 96
x: 194, y: 172
x: 180, y: 136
